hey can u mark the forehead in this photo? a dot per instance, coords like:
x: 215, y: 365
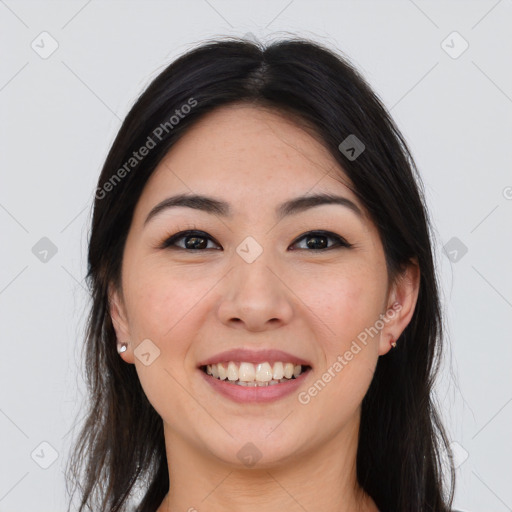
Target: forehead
x: 248, y: 155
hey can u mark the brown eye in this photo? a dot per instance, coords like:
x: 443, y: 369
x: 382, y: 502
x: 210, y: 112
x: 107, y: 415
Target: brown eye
x: 194, y: 240
x: 318, y: 241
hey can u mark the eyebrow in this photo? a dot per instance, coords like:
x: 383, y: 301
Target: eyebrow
x: 218, y: 207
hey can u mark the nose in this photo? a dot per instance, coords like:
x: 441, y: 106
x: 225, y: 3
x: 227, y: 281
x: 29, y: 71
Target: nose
x: 255, y: 297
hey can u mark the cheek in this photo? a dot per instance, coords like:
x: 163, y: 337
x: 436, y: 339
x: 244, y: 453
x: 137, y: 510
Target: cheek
x: 161, y: 308
x: 350, y: 308
x: 349, y: 302
x: 161, y: 303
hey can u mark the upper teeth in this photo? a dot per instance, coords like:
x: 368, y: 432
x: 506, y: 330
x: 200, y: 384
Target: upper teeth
x: 248, y: 372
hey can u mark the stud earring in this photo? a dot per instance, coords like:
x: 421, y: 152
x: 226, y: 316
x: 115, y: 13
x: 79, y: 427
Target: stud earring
x: 393, y: 343
x: 121, y: 347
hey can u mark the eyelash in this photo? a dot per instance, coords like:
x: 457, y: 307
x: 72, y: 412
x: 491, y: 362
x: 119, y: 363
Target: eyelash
x: 169, y: 242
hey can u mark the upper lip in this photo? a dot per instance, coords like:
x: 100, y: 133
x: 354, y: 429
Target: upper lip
x: 254, y: 356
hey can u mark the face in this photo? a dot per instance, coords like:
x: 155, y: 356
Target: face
x: 308, y: 280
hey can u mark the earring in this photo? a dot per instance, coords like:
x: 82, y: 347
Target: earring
x: 121, y: 347
x: 393, y: 343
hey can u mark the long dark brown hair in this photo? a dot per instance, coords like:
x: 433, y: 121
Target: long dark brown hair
x: 402, y: 441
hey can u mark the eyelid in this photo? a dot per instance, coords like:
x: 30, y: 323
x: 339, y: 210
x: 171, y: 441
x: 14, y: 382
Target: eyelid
x: 341, y: 242
x: 171, y: 239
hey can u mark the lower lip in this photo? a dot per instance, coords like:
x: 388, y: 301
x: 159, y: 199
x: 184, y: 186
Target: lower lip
x: 243, y: 394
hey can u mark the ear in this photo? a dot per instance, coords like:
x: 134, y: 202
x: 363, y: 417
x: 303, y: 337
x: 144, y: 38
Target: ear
x: 119, y: 318
x: 401, y: 304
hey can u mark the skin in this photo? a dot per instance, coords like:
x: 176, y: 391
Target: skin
x: 307, y: 302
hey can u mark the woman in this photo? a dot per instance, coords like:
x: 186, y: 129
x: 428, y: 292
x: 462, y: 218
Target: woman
x: 265, y: 328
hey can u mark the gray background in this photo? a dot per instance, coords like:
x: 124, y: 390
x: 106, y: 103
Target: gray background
x: 59, y: 115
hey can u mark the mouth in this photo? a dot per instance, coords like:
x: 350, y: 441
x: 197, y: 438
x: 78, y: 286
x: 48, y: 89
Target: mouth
x: 262, y: 374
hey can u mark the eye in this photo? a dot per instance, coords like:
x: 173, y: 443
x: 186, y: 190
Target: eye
x: 194, y: 240
x: 318, y: 240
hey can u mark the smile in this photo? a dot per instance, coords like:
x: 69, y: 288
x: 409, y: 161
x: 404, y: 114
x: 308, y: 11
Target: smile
x: 255, y: 375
